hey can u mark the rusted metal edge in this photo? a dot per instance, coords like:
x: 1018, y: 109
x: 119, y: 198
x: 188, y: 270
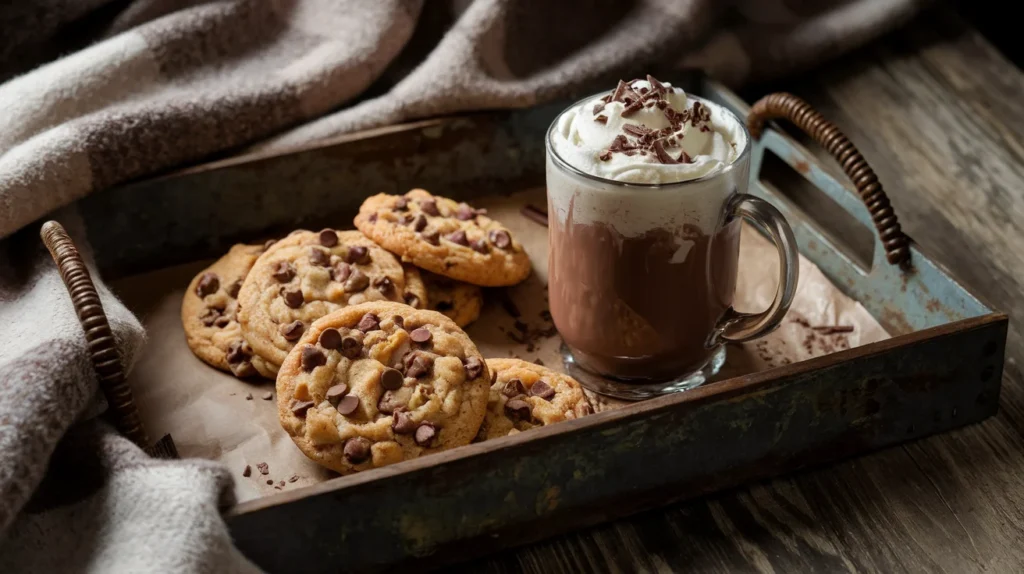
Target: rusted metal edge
x: 720, y: 390
x: 536, y: 484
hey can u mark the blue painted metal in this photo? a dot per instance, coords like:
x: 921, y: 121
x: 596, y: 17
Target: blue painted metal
x: 926, y: 296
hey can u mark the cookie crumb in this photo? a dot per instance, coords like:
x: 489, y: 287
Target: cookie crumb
x: 247, y: 472
x: 268, y: 395
x: 293, y: 478
x: 270, y: 481
x: 281, y: 484
x: 537, y: 361
x: 248, y: 397
x: 263, y: 467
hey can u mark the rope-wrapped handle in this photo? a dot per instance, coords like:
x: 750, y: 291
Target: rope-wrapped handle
x: 828, y: 136
x: 102, y: 346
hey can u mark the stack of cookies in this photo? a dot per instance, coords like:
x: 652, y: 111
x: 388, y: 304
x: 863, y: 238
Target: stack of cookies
x: 362, y: 331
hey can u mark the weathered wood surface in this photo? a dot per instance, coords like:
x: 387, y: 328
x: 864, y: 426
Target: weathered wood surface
x: 939, y: 114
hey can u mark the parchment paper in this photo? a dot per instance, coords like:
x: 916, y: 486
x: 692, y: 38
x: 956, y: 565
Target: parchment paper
x: 209, y: 413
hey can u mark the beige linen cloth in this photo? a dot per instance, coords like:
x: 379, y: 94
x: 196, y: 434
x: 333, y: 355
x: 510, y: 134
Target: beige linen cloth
x: 98, y: 92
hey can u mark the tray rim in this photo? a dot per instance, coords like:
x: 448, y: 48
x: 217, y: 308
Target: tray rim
x: 716, y: 391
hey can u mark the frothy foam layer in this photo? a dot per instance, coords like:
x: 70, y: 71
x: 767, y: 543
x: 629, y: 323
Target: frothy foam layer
x: 648, y: 132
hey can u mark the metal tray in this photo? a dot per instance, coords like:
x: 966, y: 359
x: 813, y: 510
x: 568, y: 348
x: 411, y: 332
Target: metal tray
x: 942, y: 369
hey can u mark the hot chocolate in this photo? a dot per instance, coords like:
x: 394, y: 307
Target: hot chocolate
x: 645, y: 191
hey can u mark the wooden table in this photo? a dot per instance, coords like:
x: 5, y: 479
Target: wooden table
x: 939, y: 113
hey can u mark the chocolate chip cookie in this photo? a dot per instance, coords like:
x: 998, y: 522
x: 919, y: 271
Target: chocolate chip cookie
x: 446, y: 237
x: 456, y: 300
x: 306, y: 276
x: 378, y: 383
x: 415, y: 294
x: 526, y: 395
x: 209, y: 312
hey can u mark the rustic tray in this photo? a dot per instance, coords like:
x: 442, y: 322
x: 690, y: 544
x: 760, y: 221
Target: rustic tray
x: 941, y: 369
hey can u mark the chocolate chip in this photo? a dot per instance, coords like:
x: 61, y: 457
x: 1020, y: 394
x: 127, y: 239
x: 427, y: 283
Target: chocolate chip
x: 425, y: 434
x: 328, y: 238
x: 391, y: 379
x: 543, y: 390
x: 432, y: 237
x: 429, y: 206
x: 238, y: 351
x: 348, y: 404
x: 500, y: 238
x: 358, y: 254
x: 420, y: 335
x: 513, y: 388
x: 208, y: 284
x: 356, y: 282
x: 284, y: 271
x: 319, y: 257
x: 351, y: 347
x: 247, y: 472
x: 419, y: 223
x: 293, y: 298
x: 210, y: 316
x: 398, y: 320
x: 480, y: 246
x: 403, y: 423
x: 234, y: 288
x: 312, y: 358
x: 270, y: 481
x: 389, y: 403
x: 357, y: 450
x: 384, y: 285
x: 280, y: 485
x: 299, y: 408
x: 458, y: 238
x: 417, y: 364
x: 411, y: 300
x: 263, y: 467
x: 369, y: 322
x: 243, y: 370
x: 292, y: 331
x: 341, y: 272
x: 583, y: 409
x: 474, y: 367
x: 518, y: 410
x: 372, y: 218
x: 335, y: 393
x: 465, y: 212
x: 268, y: 396
x: 293, y: 478
x: 222, y: 322
x: 401, y: 203
x: 330, y: 338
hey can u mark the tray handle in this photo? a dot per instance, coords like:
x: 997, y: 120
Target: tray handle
x: 783, y: 105
x: 105, y: 359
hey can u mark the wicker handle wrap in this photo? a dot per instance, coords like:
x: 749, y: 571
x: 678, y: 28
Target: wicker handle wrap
x: 102, y: 347
x: 828, y: 136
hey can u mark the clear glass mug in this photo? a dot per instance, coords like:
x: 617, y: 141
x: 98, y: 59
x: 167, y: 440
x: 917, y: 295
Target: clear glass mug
x: 641, y: 277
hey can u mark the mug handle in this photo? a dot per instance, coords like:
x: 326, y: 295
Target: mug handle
x: 736, y: 327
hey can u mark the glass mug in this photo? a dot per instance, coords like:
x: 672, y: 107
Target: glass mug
x: 641, y: 277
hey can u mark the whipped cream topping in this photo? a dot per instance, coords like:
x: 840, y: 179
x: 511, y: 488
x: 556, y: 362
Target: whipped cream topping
x: 648, y: 132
